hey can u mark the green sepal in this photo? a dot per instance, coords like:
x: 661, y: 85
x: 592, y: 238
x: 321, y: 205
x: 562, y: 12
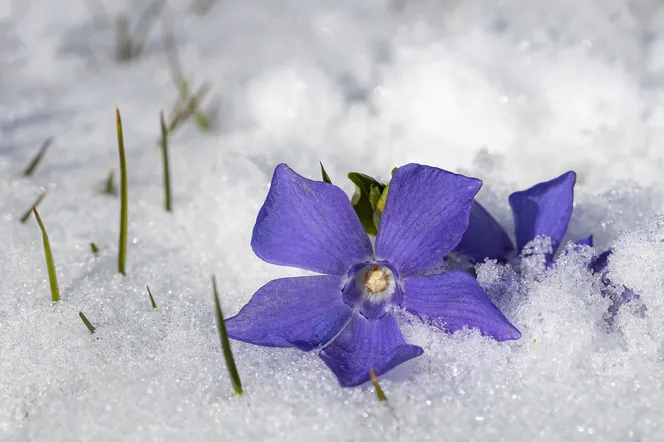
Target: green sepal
x: 380, y: 207
x: 366, y: 190
x: 374, y: 195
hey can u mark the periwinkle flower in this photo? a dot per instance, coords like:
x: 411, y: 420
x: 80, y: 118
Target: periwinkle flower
x: 542, y: 210
x: 347, y: 311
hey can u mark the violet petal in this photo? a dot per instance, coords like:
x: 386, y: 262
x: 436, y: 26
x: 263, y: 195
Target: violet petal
x: 586, y: 241
x: 310, y: 225
x: 543, y: 210
x: 485, y: 237
x: 366, y: 344
x: 601, y: 261
x: 302, y: 312
x: 425, y: 215
x: 458, y: 300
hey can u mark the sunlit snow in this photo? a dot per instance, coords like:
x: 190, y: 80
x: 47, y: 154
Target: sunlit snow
x: 512, y: 92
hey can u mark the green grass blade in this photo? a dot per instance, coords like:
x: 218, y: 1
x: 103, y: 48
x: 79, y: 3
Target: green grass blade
x: 122, y: 247
x: 154, y: 305
x: 124, y: 47
x: 50, y: 265
x: 145, y: 23
x: 26, y: 215
x: 168, y: 205
x: 86, y: 322
x: 202, y: 121
x: 174, y: 60
x: 191, y: 107
x: 38, y: 157
x: 109, y: 184
x: 326, y: 177
x: 374, y: 381
x: 94, y: 248
x: 225, y: 343
x: 183, y: 89
x: 192, y: 103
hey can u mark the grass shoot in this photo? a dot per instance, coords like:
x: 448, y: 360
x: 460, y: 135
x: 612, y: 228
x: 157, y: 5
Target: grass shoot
x: 326, y: 177
x: 87, y: 323
x: 30, y: 169
x: 187, y: 105
x: 26, y: 215
x: 154, y: 304
x: 94, y: 249
x: 130, y: 44
x: 168, y: 205
x: 109, y: 184
x: 379, y: 390
x: 122, y: 247
x: 50, y: 265
x: 225, y: 343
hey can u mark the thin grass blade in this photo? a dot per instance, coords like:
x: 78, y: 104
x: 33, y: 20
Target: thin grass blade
x: 109, y: 184
x: 174, y: 60
x: 38, y: 157
x: 145, y: 23
x: 124, y: 47
x: 374, y: 381
x: 50, y: 264
x: 94, y: 248
x: 168, y: 204
x: 87, y: 323
x: 190, y: 107
x: 225, y: 343
x: 326, y: 177
x: 26, y: 215
x: 122, y: 247
x: 154, y: 305
x: 203, y: 121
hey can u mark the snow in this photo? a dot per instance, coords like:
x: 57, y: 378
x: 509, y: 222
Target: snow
x: 512, y: 92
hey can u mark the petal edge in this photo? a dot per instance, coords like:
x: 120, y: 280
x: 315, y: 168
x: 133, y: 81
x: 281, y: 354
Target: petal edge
x: 544, y: 210
x: 302, y: 312
x: 366, y: 344
x: 310, y: 225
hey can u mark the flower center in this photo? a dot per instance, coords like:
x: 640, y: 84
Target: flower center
x: 377, y: 283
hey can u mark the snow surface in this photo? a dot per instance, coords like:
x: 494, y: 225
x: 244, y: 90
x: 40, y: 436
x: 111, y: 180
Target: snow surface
x: 513, y: 92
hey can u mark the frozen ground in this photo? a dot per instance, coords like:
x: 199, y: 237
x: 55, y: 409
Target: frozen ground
x: 513, y: 92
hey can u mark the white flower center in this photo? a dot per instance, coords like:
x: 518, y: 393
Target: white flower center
x: 376, y: 283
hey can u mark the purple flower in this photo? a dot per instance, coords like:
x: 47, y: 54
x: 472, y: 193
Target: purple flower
x: 542, y: 210
x: 347, y: 311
